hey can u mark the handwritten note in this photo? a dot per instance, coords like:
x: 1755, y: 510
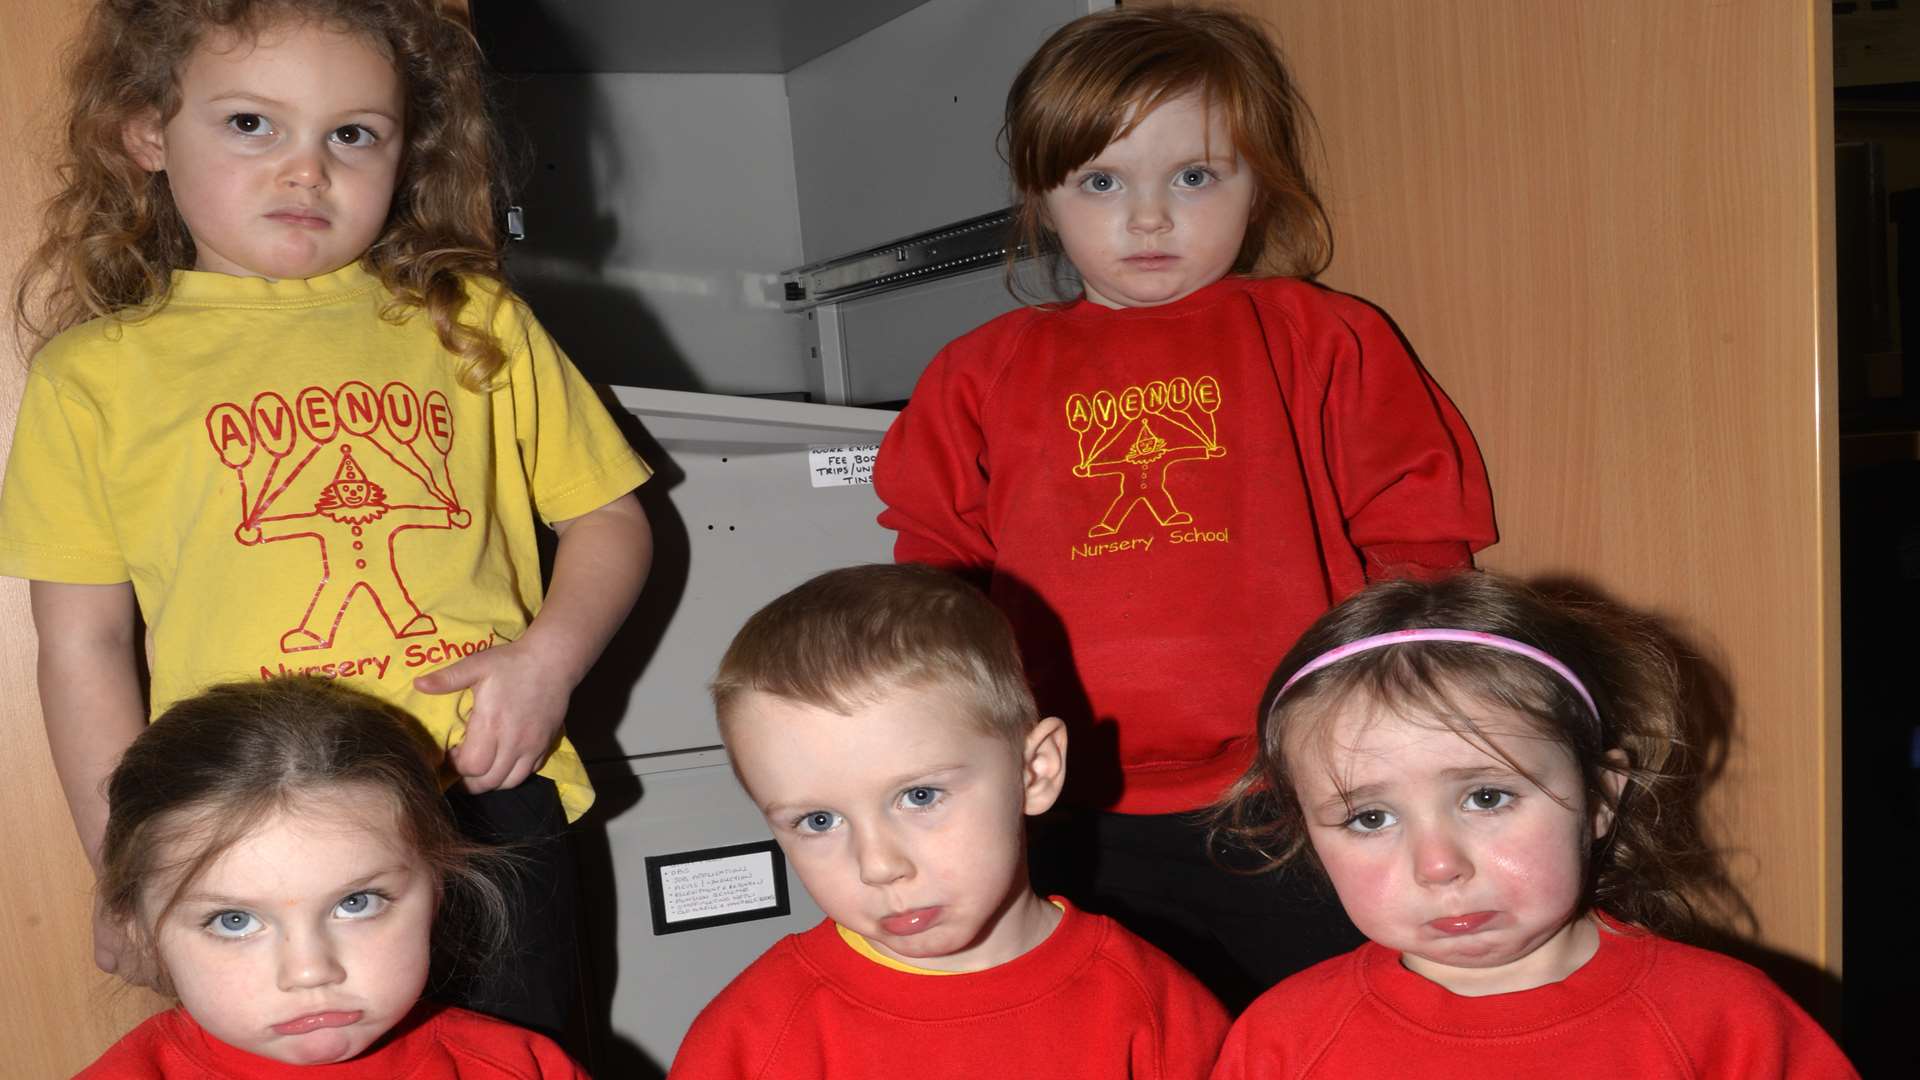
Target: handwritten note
x: 840, y: 466
x: 698, y: 890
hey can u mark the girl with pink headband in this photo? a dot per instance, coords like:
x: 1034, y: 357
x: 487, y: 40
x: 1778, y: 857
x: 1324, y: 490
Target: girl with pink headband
x: 1495, y: 784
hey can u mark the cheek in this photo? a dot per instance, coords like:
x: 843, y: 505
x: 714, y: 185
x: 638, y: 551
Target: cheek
x: 1077, y: 225
x: 211, y: 979
x: 409, y: 954
x: 1545, y: 865
x: 821, y: 873
x: 1363, y: 877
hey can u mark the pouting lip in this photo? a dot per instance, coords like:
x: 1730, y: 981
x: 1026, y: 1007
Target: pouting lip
x: 314, y: 1021
x: 1151, y: 257
x: 910, y: 921
x: 1463, y: 923
x: 300, y: 215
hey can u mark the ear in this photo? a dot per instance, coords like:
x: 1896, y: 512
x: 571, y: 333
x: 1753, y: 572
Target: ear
x: 145, y: 139
x: 1613, y: 781
x: 1044, y: 764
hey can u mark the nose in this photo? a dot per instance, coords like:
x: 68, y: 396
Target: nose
x: 1439, y: 858
x: 1147, y: 213
x: 883, y: 860
x: 309, y: 959
x: 305, y: 167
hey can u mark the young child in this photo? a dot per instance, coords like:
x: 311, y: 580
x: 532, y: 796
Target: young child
x: 879, y: 718
x: 279, y: 851
x: 1492, y: 782
x: 1166, y: 480
x: 291, y: 416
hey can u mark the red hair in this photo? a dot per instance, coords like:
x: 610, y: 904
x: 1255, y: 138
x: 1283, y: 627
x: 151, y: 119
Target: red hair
x: 1093, y: 80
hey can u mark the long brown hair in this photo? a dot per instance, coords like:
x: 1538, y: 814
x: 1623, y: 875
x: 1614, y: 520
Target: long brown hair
x: 1651, y: 868
x: 215, y: 766
x: 113, y: 238
x: 1098, y: 75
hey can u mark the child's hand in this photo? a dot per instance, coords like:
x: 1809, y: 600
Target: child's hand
x: 519, y: 706
x: 114, y: 954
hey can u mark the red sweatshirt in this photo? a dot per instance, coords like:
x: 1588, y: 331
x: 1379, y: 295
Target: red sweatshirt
x: 1165, y: 497
x: 1643, y: 1007
x: 1092, y: 1002
x: 434, y: 1043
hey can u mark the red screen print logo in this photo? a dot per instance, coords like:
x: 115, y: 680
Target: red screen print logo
x: 400, y: 439
x: 1138, y: 435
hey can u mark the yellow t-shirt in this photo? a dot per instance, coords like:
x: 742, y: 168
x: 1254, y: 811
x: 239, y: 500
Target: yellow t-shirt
x: 294, y: 484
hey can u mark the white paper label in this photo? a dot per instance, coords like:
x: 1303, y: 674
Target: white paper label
x: 839, y: 466
x: 697, y: 890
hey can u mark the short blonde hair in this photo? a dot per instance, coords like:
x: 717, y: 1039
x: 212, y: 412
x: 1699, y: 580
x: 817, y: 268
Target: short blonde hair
x: 847, y: 637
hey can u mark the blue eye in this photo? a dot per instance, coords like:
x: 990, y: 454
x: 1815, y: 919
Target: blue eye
x: 361, y: 905
x: 1195, y: 177
x: 817, y: 821
x: 1098, y: 182
x: 1489, y: 799
x: 1368, y: 821
x: 920, y: 798
x: 232, y: 924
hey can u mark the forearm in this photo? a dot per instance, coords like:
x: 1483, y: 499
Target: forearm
x: 598, y: 568
x: 89, y: 693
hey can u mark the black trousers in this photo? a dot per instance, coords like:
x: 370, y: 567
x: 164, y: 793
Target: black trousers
x: 536, y: 982
x: 1238, y: 932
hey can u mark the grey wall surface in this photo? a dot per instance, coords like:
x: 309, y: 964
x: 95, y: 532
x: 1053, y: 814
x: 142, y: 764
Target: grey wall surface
x: 659, y: 210
x: 893, y: 132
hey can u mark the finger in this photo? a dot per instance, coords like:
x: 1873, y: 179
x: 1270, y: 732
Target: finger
x: 474, y: 756
x: 522, y: 768
x: 458, y: 675
x: 503, y: 764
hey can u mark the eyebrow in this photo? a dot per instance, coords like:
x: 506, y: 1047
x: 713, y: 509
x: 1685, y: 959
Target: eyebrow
x: 913, y: 779
x: 343, y: 889
x: 1350, y: 796
x: 251, y: 98
x: 1229, y: 158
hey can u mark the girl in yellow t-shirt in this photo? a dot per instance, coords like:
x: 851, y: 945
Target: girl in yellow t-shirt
x: 285, y: 410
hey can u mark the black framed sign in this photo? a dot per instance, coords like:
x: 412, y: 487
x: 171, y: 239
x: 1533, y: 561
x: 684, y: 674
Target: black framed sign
x: 693, y: 890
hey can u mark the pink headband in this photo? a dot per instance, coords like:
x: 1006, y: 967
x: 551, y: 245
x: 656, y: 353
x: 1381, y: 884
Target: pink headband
x: 1471, y: 637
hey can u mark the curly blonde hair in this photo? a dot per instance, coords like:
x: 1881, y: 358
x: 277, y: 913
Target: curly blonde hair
x: 113, y: 237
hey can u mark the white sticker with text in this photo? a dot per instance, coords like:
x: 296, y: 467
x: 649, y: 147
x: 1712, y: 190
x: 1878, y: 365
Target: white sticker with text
x: 839, y: 466
x: 699, y: 890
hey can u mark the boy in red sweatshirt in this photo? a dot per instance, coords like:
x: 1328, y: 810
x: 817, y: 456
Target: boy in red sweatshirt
x: 879, y: 717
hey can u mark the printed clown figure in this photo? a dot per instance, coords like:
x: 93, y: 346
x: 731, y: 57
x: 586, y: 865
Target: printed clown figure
x: 356, y: 528
x: 1185, y: 408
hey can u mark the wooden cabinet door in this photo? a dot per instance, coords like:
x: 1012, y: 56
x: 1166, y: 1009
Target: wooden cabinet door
x: 1605, y: 227
x: 62, y: 1013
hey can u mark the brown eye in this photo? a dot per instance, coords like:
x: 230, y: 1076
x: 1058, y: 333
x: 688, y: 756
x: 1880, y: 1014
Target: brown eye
x: 247, y: 123
x: 1489, y: 799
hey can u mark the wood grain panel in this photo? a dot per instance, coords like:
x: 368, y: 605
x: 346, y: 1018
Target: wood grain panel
x: 62, y: 1013
x: 1602, y: 224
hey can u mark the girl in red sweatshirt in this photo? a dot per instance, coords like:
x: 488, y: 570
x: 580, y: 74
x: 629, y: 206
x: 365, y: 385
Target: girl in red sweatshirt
x: 1497, y: 786
x: 1165, y: 479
